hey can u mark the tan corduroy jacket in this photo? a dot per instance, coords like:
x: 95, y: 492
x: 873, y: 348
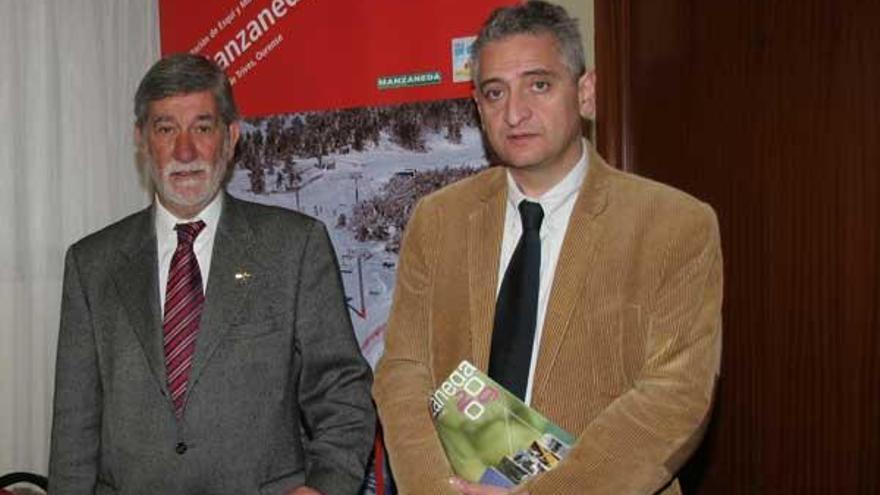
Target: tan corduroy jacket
x: 631, y: 342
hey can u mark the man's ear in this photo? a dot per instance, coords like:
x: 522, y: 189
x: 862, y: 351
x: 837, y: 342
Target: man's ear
x: 138, y: 136
x: 234, y: 132
x: 141, y: 156
x: 476, y: 97
x: 587, y: 95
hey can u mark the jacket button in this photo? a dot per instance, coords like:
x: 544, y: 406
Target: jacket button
x: 180, y: 448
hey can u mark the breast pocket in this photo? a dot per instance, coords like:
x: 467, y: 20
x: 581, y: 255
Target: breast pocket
x: 263, y: 348
x: 260, y: 327
x: 602, y: 351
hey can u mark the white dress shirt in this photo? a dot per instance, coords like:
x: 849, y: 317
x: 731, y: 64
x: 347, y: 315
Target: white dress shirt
x: 166, y: 241
x: 557, y: 204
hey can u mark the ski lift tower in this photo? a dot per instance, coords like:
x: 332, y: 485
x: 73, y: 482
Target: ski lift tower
x: 360, y: 254
x: 356, y: 176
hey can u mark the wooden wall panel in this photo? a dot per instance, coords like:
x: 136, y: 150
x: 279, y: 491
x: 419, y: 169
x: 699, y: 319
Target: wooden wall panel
x: 769, y: 111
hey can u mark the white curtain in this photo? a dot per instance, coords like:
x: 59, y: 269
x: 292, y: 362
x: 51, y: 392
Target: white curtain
x: 68, y: 71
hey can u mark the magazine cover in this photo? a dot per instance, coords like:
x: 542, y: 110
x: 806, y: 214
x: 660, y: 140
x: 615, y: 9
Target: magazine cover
x: 490, y: 436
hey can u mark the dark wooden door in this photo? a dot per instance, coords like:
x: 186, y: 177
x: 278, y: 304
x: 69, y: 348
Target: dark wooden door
x: 769, y: 111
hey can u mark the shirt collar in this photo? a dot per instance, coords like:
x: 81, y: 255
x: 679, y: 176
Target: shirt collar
x: 166, y: 221
x: 556, y: 196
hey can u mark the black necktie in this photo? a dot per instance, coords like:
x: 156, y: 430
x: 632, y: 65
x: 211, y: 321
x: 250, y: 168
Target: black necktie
x: 516, y: 311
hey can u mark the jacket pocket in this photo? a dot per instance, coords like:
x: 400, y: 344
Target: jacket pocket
x: 104, y: 488
x: 284, y: 482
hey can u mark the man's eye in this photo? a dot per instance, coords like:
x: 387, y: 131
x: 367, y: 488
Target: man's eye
x: 493, y: 94
x: 164, y: 129
x: 541, y: 86
x: 204, y: 129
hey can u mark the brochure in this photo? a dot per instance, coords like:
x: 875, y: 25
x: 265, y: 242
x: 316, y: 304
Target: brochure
x: 490, y: 436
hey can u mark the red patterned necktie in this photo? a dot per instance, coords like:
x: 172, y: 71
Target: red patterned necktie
x: 184, y: 301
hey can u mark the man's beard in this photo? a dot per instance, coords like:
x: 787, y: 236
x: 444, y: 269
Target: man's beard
x: 163, y: 184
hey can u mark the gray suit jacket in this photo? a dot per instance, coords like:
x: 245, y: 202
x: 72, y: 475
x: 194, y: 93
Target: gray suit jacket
x: 278, y: 393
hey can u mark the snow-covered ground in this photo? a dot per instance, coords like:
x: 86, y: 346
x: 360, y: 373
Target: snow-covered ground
x: 329, y: 193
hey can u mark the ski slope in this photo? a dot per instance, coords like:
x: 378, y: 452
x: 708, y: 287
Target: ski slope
x: 327, y: 193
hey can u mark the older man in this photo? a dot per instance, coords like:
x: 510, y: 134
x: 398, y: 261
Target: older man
x: 592, y: 294
x: 205, y: 346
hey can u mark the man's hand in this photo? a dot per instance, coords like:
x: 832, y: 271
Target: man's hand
x: 304, y: 490
x: 467, y: 488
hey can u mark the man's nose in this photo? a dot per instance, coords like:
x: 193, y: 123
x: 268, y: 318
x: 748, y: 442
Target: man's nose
x: 517, y: 109
x: 184, y: 149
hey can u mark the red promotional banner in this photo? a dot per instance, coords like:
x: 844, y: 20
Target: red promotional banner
x: 346, y: 104
x: 353, y: 110
x: 301, y: 55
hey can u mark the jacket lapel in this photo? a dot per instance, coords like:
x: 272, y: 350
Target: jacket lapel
x: 232, y: 263
x: 137, y: 283
x: 572, y: 270
x: 485, y: 230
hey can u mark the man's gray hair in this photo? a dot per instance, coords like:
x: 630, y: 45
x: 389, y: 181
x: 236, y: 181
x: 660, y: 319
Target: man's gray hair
x: 533, y: 17
x: 180, y: 74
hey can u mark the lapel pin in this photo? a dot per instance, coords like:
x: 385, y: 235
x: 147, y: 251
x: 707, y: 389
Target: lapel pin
x: 242, y: 277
